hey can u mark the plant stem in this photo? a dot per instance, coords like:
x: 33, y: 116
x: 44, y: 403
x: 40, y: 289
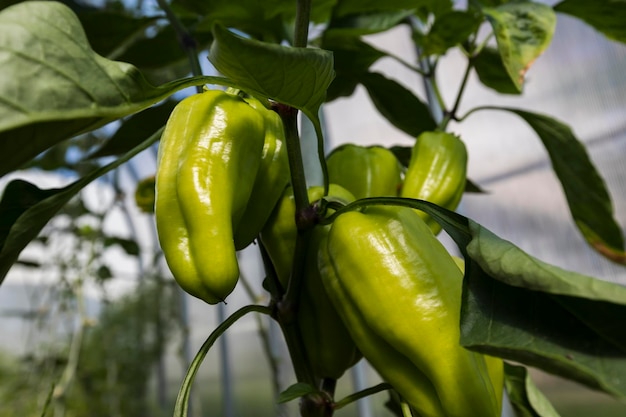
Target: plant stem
x: 301, y: 33
x: 187, y: 42
x: 452, y: 113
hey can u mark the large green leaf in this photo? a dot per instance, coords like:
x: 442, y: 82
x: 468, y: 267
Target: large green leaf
x: 522, y: 309
x: 492, y: 73
x: 606, y: 16
x: 523, y: 31
x: 586, y: 192
x: 298, y: 77
x: 54, y: 86
x: 25, y: 209
x: 525, y: 397
x: 400, y: 106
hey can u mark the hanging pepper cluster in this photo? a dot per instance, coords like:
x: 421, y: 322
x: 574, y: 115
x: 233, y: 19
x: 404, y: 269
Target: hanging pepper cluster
x: 375, y: 283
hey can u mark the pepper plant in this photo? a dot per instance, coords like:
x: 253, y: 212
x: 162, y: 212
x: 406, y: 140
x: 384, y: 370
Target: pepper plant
x: 353, y: 268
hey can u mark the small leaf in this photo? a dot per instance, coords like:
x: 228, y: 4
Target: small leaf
x: 492, y: 73
x: 524, y: 395
x: 586, y: 192
x: 297, y: 390
x: 104, y: 272
x: 136, y: 129
x: 400, y: 106
x: 297, y: 77
x: 145, y: 194
x: 523, y: 31
x: 448, y: 31
x: 606, y: 16
x: 55, y: 86
x: 25, y: 209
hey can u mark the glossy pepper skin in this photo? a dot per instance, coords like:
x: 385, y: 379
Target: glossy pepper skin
x: 271, y: 180
x: 437, y: 172
x: 371, y: 171
x: 399, y: 293
x: 208, y: 157
x: 329, y: 348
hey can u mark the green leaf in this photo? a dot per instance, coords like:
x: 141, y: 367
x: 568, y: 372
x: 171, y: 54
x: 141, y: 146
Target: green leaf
x: 297, y: 390
x: 492, y: 73
x: 136, y: 129
x: 523, y: 31
x: 25, y: 209
x: 448, y: 31
x: 525, y: 397
x: 586, y: 192
x: 366, y: 23
x: 55, y: 86
x: 400, y: 106
x: 606, y: 16
x: 297, y: 77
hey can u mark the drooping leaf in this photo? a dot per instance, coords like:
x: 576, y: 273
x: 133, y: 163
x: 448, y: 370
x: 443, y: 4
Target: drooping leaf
x: 523, y: 31
x: 295, y: 391
x: 366, y: 23
x: 526, y: 399
x: 55, y: 86
x: 400, y: 106
x: 522, y: 309
x: 298, y: 77
x: 25, y: 208
x: 492, y: 73
x: 586, y: 192
x: 606, y: 16
x: 449, y: 30
x: 136, y: 129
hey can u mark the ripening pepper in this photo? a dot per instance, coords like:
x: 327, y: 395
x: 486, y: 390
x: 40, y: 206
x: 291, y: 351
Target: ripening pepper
x: 371, y: 171
x: 208, y: 157
x: 329, y: 348
x: 437, y: 172
x: 399, y: 293
x: 271, y: 179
